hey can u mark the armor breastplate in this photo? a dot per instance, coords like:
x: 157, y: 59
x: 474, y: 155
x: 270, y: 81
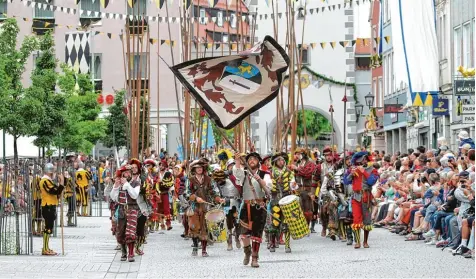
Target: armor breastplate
x: 248, y: 192
x: 229, y: 190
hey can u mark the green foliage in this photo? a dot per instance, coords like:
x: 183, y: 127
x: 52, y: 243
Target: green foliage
x: 315, y: 125
x: 82, y: 128
x: 20, y: 108
x: 116, y: 123
x: 218, y: 137
x: 44, y: 79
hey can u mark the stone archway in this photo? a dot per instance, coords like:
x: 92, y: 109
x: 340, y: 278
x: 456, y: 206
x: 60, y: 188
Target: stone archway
x: 337, y: 135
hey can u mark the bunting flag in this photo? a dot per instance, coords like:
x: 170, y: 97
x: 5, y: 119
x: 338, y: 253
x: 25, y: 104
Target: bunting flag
x: 131, y: 3
x: 104, y: 3
x: 212, y: 3
x: 313, y: 45
x: 323, y: 45
x: 387, y: 39
x: 159, y: 3
x: 187, y: 3
x: 76, y: 2
x: 230, y: 88
x: 343, y: 43
x: 333, y: 44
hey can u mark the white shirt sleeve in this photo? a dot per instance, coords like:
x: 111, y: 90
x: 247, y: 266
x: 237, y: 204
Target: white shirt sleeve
x: 114, y: 195
x: 239, y: 173
x: 133, y: 191
x: 269, y: 183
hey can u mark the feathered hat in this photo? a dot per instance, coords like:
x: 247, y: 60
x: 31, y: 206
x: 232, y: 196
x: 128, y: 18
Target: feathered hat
x: 135, y: 161
x: 358, y: 157
x: 218, y: 175
x: 150, y: 162
x: 122, y: 169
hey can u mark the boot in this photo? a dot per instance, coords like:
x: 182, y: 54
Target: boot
x: 332, y: 234
x: 139, y: 242
x: 123, y: 253
x: 255, y: 254
x: 247, y: 250
x: 348, y: 231
x: 131, y: 252
x: 324, y: 230
x: 195, y: 246
x: 237, y: 240
x: 204, y: 248
x: 366, y: 237
x: 168, y: 225
x: 287, y: 242
x: 229, y: 241
x: 118, y: 247
x: 272, y: 242
x: 281, y: 240
x: 357, y: 238
x: 313, y: 224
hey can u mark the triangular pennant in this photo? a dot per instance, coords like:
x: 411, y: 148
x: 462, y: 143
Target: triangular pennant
x: 97, y: 14
x: 280, y: 15
x: 333, y: 7
x: 366, y: 42
x: 311, y: 11
x: 109, y: 35
x: 131, y: 3
x: 338, y: 6
x: 88, y: 13
x: 152, y: 40
x: 353, y: 42
x: 358, y: 41
x: 377, y: 40
x: 323, y: 9
x: 104, y: 3
x: 429, y: 100
x: 387, y: 39
x: 214, y: 19
x: 333, y: 44
x: 343, y: 43
x: 55, y: 8
x: 417, y: 102
x: 162, y: 42
x: 47, y: 24
x: 209, y: 45
x: 217, y: 45
x: 33, y: 4
x: 357, y: 2
x: 51, y: 7
x: 76, y: 2
x: 323, y: 45
x: 187, y: 3
x: 313, y: 45
x: 26, y: 3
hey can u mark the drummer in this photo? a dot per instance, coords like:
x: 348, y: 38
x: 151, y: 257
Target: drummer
x: 283, y: 185
x: 200, y: 195
x: 256, y: 184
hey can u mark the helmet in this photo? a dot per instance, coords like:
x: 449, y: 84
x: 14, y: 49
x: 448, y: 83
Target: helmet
x: 49, y: 168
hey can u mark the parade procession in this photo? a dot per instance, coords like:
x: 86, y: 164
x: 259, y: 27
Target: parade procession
x: 237, y: 138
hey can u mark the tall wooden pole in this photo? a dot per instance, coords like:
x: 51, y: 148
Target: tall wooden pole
x: 291, y: 83
x: 158, y: 89
x: 186, y: 36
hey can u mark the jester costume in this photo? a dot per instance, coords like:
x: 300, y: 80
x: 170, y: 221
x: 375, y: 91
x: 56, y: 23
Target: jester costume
x: 303, y: 173
x: 283, y: 179
x: 362, y: 198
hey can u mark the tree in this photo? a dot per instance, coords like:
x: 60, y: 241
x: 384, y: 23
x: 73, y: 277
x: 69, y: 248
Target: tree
x: 83, y: 129
x: 116, y: 131
x: 316, y: 124
x: 44, y: 79
x: 21, y: 111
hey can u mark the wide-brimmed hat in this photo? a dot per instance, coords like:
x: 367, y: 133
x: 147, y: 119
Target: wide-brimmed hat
x: 135, y: 161
x: 359, y: 157
x: 230, y: 162
x: 150, y: 162
x: 463, y: 134
x: 280, y: 155
x: 255, y: 155
x: 122, y: 169
x: 266, y: 157
x: 197, y: 164
x: 326, y: 150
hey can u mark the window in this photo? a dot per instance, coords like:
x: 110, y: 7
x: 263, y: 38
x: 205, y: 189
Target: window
x: 135, y: 65
x: 220, y: 18
x: 467, y: 45
x: 456, y: 49
x: 233, y: 20
x: 42, y: 11
x: 139, y: 8
x: 203, y: 15
x: 90, y: 5
x: 363, y: 63
x: 97, y: 66
x: 3, y: 10
x: 225, y: 38
x: 305, y: 55
x: 374, y: 35
x: 385, y: 74
x: 386, y: 13
x: 380, y: 92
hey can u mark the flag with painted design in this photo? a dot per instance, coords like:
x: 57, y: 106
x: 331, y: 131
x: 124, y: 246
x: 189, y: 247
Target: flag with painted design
x: 232, y: 87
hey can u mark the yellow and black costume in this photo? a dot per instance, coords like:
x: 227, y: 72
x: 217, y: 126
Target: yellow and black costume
x: 83, y: 177
x: 282, y: 179
x: 36, y: 194
x: 68, y: 194
x: 49, y: 200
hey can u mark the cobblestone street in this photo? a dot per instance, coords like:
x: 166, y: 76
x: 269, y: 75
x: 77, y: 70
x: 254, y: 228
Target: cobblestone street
x: 89, y: 253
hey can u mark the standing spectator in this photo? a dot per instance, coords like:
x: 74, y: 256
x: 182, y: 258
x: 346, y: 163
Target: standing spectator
x: 464, y: 138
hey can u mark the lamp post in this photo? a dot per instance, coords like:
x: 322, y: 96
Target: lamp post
x: 369, y: 100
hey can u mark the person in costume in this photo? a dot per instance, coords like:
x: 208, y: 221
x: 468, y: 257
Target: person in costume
x: 256, y: 185
x: 224, y: 155
x: 231, y: 192
x: 125, y: 194
x: 327, y: 195
x: 304, y: 169
x: 49, y: 201
x: 283, y: 184
x: 164, y: 185
x: 344, y: 193
x: 136, y: 181
x: 266, y: 163
x: 200, y: 191
x: 68, y: 195
x: 180, y: 189
x: 37, y: 218
x: 362, y: 179
x: 152, y: 195
x: 83, y: 178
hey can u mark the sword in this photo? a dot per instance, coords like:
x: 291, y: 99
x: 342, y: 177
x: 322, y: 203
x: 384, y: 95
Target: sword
x: 240, y: 84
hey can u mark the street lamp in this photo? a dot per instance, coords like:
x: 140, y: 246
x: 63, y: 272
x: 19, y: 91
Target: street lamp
x: 369, y: 100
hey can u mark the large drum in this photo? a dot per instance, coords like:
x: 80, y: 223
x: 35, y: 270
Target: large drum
x: 216, y: 224
x: 294, y: 217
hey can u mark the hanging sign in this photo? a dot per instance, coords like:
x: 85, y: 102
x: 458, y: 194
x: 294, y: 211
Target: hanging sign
x: 441, y: 107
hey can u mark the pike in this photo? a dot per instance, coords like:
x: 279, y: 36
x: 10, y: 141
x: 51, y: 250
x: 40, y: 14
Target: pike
x: 240, y: 84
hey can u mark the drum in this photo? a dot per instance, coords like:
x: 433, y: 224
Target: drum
x: 294, y: 217
x: 216, y: 224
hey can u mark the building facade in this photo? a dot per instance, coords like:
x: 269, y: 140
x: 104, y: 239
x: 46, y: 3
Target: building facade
x: 88, y: 30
